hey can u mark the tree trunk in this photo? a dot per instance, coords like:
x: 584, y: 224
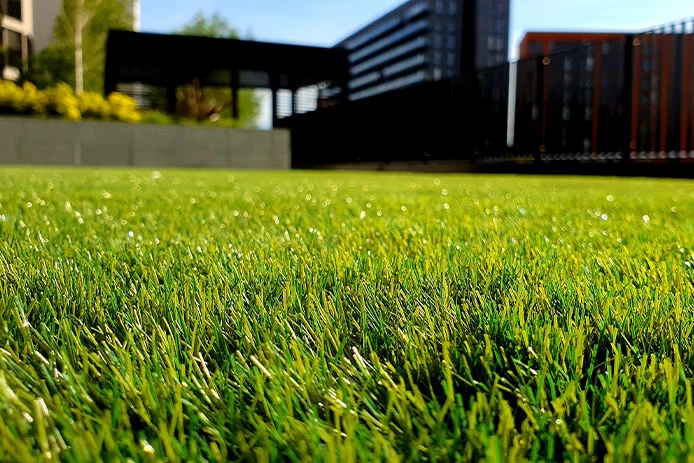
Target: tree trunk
x: 79, y: 58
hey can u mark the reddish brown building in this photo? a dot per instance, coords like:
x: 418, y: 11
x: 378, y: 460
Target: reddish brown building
x: 587, y: 82
x: 545, y: 43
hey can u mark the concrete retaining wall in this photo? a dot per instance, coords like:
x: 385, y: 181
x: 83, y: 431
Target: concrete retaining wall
x: 54, y: 142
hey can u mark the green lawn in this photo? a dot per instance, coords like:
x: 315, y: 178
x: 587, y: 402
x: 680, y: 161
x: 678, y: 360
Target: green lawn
x: 176, y: 316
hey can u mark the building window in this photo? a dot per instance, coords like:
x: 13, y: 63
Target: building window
x: 390, y: 55
x: 389, y: 40
x: 14, y: 49
x: 453, y: 7
x: 438, y: 41
x: 14, y: 9
x: 439, y: 6
x: 375, y: 32
x: 437, y: 58
x: 451, y: 59
x: 491, y: 43
x: 451, y: 42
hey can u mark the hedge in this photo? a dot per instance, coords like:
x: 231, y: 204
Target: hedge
x: 61, y: 101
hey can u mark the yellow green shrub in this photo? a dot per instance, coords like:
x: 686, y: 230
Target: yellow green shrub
x: 34, y: 99
x: 93, y: 106
x: 61, y: 101
x: 16, y: 100
x: 124, y: 108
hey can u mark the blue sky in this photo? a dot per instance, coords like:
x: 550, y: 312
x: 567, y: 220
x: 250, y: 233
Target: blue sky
x: 325, y: 22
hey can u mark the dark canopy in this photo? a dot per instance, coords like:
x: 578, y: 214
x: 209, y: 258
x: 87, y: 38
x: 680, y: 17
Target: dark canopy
x: 169, y: 61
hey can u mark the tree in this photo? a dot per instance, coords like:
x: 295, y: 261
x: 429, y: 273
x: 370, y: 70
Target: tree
x: 217, y: 26
x: 81, y: 29
x: 50, y: 67
x: 214, y: 26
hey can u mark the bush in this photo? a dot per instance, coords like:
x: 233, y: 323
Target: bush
x: 124, y: 108
x: 93, y: 106
x: 20, y: 100
x: 61, y: 101
x: 34, y: 100
x: 158, y: 118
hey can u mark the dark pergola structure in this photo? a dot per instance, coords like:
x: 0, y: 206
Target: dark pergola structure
x: 170, y: 61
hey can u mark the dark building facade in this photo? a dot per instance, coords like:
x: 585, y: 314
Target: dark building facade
x: 426, y: 40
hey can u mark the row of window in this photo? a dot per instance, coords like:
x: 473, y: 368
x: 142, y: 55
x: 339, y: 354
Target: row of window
x: 408, y: 64
x: 413, y: 45
x: 417, y: 10
x: 385, y: 26
x: 364, y: 80
x: 397, y: 36
x: 391, y: 23
x: 394, y: 84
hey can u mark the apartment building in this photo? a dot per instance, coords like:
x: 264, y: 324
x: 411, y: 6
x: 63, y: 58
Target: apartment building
x: 426, y: 40
x: 16, y: 35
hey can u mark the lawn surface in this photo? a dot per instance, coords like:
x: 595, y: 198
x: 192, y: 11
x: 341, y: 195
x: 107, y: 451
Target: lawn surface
x: 184, y: 316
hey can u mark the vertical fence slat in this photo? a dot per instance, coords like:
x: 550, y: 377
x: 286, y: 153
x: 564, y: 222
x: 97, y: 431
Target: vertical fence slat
x: 665, y: 89
x: 543, y: 95
x: 627, y: 98
x: 686, y: 90
x: 636, y: 95
x: 597, y: 87
x: 654, y: 97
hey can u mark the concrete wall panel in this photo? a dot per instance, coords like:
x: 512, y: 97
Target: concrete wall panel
x: 48, y: 142
x: 52, y: 142
x: 106, y: 144
x: 10, y: 137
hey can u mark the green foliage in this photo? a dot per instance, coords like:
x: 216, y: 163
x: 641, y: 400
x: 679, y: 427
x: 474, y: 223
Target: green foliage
x: 214, y: 26
x: 217, y: 26
x: 60, y: 101
x: 161, y: 118
x: 249, y: 106
x: 99, y: 16
x: 195, y: 316
x: 157, y: 118
x: 50, y: 67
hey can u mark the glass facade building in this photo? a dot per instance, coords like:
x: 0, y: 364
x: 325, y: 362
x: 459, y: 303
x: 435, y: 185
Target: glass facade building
x: 425, y: 40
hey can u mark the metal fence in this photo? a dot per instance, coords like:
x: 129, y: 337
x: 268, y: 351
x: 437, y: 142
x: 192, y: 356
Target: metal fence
x: 622, y: 102
x: 663, y: 94
x: 626, y: 100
